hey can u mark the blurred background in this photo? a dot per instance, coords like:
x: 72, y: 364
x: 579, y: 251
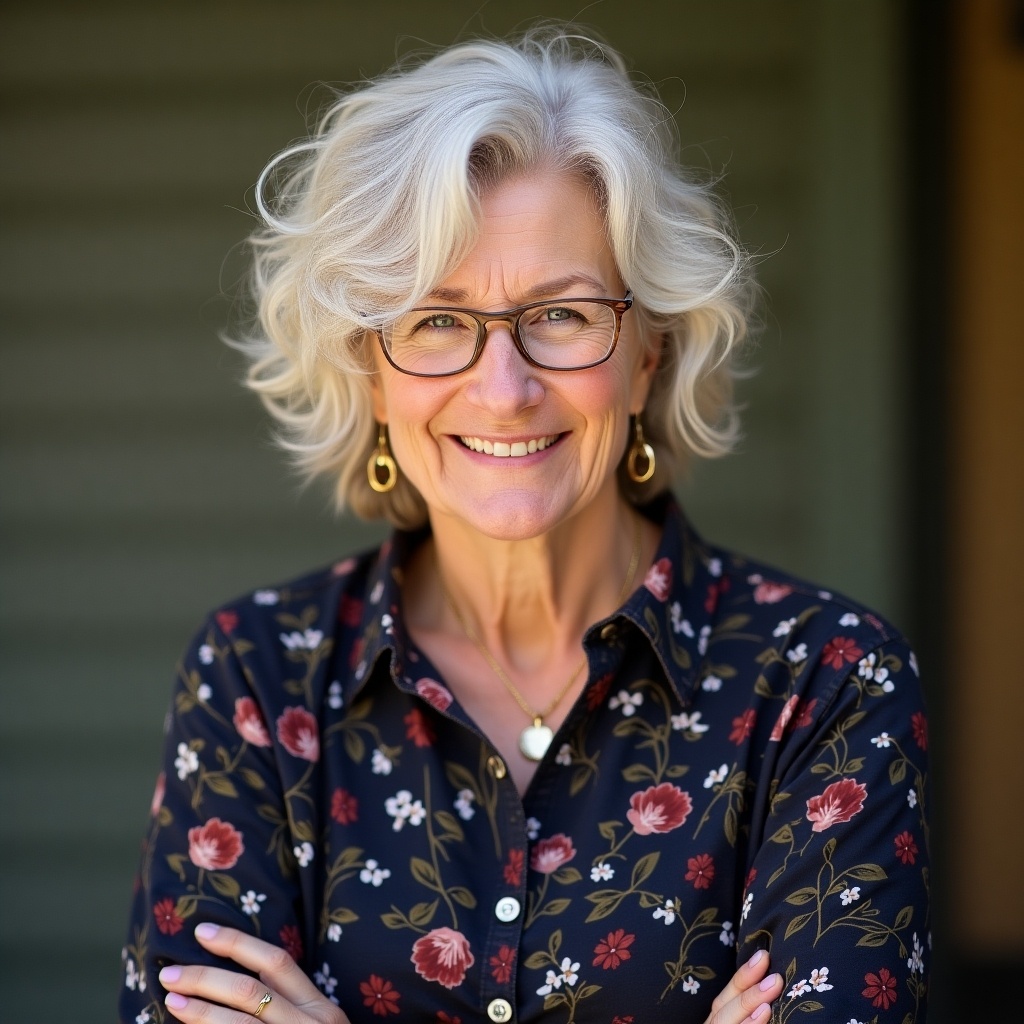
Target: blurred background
x: 873, y: 153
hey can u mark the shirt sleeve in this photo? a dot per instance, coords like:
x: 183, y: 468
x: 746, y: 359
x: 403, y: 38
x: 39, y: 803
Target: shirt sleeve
x: 838, y: 884
x: 219, y: 846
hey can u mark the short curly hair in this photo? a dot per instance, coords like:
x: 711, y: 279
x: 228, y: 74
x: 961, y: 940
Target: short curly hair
x: 381, y: 203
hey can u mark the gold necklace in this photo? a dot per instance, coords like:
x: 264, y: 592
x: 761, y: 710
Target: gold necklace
x: 535, y: 738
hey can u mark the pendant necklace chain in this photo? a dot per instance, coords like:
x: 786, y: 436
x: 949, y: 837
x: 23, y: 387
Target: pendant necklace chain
x: 535, y: 739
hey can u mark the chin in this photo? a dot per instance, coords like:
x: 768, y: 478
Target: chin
x: 518, y: 517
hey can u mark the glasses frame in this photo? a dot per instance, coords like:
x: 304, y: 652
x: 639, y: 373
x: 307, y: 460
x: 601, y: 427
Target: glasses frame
x: 511, y: 317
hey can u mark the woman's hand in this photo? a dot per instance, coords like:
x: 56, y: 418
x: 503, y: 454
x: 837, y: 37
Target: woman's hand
x: 747, y: 997
x: 212, y: 995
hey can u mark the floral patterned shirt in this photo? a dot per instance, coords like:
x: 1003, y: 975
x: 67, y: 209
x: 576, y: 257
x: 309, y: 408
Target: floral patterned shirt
x: 745, y: 768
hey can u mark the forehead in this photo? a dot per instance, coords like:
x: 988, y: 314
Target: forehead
x: 540, y: 235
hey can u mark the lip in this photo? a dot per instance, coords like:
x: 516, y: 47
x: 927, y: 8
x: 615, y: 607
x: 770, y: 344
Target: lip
x: 508, y: 448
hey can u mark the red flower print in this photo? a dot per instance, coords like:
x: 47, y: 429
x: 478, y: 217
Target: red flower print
x: 166, y: 919
x: 839, y: 651
x: 291, y: 941
x: 881, y: 988
x: 779, y: 728
x: 298, y: 733
x: 379, y: 994
x: 550, y: 854
x: 613, y: 950
x: 795, y: 715
x: 771, y: 593
x: 701, y: 870
x: 802, y: 713
x: 434, y: 693
x: 442, y: 955
x: 443, y: 1018
x: 628, y: 1019
x: 215, y: 846
x: 840, y: 802
x: 344, y: 807
x: 715, y: 589
x: 226, y: 620
x: 514, y: 867
x: 350, y: 611
x: 158, y: 794
x: 344, y: 567
x: 906, y: 848
x: 743, y: 726
x: 597, y: 692
x: 919, y: 724
x: 249, y: 723
x: 501, y: 965
x: 751, y: 875
x: 658, y: 809
x: 418, y: 729
x: 659, y: 578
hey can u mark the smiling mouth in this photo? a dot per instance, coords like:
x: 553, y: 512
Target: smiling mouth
x: 505, y: 450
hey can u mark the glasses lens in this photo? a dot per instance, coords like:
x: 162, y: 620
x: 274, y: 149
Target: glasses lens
x: 431, y: 341
x: 564, y: 335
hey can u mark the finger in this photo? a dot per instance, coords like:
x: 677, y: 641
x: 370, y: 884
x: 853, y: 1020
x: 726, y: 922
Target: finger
x: 752, y: 1005
x: 273, y: 964
x: 212, y: 994
x: 745, y: 976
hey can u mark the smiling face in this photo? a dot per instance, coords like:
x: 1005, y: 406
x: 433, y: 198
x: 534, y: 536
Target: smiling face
x: 509, y: 449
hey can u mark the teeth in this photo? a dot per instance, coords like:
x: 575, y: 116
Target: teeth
x: 505, y: 450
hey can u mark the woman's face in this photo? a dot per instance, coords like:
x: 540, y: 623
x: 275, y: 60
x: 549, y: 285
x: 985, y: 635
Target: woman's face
x: 541, y: 237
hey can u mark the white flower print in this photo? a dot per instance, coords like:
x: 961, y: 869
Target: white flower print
x: 307, y: 640
x: 853, y: 1020
x: 304, y: 854
x: 373, y: 874
x: 799, y: 988
x: 912, y: 797
x: 404, y: 809
x: 702, y: 640
x: 691, y: 985
x: 602, y: 872
x: 784, y: 628
x: 334, y: 932
x: 851, y: 895
x: 532, y: 828
x: 387, y: 623
x: 715, y: 567
x: 747, y: 904
x: 715, y: 776
x: 378, y: 590
x: 913, y: 664
x: 711, y: 684
x: 668, y: 912
x: 868, y: 668
x: 754, y: 578
x: 334, y: 695
x: 849, y: 619
x: 881, y: 740
x: 380, y: 763
x: 204, y: 692
x: 727, y: 936
x: 797, y: 654
x: 569, y: 969
x: 916, y: 961
x: 325, y: 982
x: 464, y: 804
x: 266, y: 597
x: 564, y: 755
x: 819, y: 979
x: 251, y: 902
x: 131, y: 975
x: 627, y: 701
x: 205, y: 653
x: 679, y: 624
x: 688, y: 723
x: 186, y: 762
x: 143, y: 1018
x: 551, y: 982
x: 360, y: 671
x: 825, y: 595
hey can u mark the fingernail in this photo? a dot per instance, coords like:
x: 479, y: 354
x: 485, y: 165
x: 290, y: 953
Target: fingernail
x: 759, y: 1012
x: 206, y: 931
x: 175, y: 1001
x: 756, y: 958
x: 170, y: 974
x: 768, y: 982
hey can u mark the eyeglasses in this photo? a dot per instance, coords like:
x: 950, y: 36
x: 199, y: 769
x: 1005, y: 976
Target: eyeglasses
x: 563, y: 334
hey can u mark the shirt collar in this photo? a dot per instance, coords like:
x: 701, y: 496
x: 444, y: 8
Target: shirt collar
x: 673, y: 608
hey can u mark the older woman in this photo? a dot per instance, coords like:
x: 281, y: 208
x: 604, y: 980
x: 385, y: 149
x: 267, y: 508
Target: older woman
x: 545, y: 753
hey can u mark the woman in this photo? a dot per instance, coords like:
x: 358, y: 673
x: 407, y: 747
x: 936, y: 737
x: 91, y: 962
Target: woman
x: 545, y: 752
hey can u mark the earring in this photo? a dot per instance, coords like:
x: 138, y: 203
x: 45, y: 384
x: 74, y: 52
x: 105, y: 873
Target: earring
x: 380, y: 459
x: 640, y: 452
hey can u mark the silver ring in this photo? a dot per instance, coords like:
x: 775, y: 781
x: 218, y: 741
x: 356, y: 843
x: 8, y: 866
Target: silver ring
x: 263, y: 1002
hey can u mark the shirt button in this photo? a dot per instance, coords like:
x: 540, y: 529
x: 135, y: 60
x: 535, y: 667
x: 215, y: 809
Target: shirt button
x: 499, y: 1010
x: 507, y: 909
x: 497, y: 768
x: 608, y: 632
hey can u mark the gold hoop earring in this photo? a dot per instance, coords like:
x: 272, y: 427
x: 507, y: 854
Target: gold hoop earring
x: 639, y: 451
x: 379, y: 460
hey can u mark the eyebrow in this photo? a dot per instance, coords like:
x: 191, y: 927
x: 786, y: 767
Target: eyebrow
x: 556, y: 288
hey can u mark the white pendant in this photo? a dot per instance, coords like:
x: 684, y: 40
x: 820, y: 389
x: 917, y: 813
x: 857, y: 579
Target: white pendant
x: 534, y: 741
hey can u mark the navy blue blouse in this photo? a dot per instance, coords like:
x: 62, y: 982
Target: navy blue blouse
x: 746, y: 767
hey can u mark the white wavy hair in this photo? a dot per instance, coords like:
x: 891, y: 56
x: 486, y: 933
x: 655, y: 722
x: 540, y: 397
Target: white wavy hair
x: 381, y: 203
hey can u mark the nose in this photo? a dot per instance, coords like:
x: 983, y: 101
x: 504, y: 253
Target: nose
x: 502, y: 380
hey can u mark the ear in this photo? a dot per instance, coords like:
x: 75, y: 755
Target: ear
x: 643, y: 375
